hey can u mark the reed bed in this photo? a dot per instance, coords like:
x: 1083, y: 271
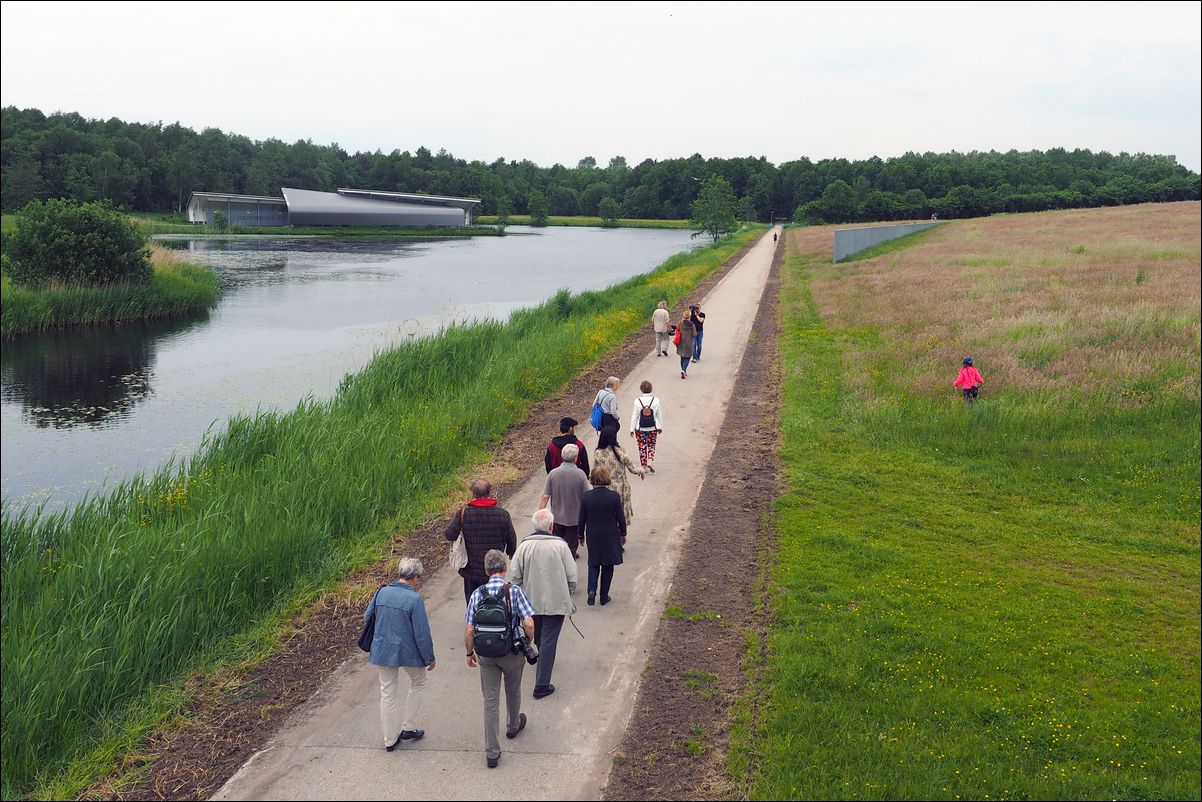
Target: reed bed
x: 177, y: 288
x: 103, y: 601
x: 996, y: 601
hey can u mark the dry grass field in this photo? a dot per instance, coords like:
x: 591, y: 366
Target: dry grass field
x: 998, y: 600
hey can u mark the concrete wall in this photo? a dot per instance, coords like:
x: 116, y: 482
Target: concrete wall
x: 850, y: 241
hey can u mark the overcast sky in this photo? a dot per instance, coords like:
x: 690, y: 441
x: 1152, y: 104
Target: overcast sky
x: 555, y: 82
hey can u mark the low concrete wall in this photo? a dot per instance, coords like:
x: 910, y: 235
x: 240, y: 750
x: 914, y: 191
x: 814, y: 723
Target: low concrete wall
x: 850, y: 241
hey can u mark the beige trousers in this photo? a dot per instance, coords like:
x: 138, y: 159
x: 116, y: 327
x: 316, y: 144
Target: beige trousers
x: 390, y: 708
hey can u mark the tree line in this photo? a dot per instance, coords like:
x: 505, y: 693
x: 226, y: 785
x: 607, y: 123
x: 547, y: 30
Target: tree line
x: 155, y: 167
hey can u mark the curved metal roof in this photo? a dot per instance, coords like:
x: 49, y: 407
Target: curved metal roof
x: 307, y: 207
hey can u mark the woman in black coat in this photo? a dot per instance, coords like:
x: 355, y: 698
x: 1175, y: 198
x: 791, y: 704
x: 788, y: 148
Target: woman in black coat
x: 603, y: 527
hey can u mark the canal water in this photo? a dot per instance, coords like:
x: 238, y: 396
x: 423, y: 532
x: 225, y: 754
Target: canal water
x: 83, y: 408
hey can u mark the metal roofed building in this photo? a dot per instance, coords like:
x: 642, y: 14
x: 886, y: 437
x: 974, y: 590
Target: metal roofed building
x: 346, y: 207
x: 239, y: 210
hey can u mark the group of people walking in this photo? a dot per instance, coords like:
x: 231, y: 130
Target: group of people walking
x: 518, y: 595
x: 685, y: 335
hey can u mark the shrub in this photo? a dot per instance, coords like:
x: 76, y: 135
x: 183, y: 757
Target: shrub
x: 58, y: 241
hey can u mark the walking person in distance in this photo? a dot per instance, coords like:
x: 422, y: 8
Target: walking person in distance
x: 698, y: 318
x: 603, y: 526
x: 646, y: 424
x: 401, y: 642
x: 684, y: 344
x: 659, y: 322
x: 605, y: 405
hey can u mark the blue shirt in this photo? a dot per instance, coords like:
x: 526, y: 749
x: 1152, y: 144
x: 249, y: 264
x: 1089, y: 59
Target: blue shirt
x: 522, y: 609
x: 402, y: 636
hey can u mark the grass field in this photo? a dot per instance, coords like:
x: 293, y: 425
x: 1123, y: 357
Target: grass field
x: 105, y: 601
x: 553, y: 220
x: 993, y: 601
x: 177, y: 288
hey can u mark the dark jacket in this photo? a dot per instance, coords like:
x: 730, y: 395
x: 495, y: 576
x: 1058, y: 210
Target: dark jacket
x: 483, y: 528
x: 567, y: 440
x: 602, y: 525
x: 686, y: 328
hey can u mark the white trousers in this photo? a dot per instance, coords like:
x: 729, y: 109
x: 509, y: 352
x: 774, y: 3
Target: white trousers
x: 390, y: 709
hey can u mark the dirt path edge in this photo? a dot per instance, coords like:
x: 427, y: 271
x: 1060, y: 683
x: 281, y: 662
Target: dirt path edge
x: 676, y: 740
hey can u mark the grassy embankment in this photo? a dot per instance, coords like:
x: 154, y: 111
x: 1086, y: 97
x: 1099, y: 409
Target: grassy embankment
x: 524, y: 220
x: 1000, y: 600
x: 177, y: 288
x: 151, y: 581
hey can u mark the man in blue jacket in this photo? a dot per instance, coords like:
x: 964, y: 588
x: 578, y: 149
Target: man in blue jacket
x: 402, y: 641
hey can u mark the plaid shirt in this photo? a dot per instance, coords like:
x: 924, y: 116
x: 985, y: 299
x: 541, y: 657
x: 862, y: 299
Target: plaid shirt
x: 521, y: 606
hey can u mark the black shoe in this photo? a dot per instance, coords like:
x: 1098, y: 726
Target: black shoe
x: 395, y: 743
x: 606, y: 600
x: 592, y: 599
x: 511, y: 734
x: 411, y: 735
x: 539, y: 693
x: 493, y: 761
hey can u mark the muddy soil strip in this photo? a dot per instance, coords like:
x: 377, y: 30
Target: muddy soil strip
x: 676, y: 741
x: 231, y: 719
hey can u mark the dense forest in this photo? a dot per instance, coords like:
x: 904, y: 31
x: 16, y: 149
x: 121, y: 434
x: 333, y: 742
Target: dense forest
x: 154, y: 167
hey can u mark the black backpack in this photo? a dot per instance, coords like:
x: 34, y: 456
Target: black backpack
x: 492, y: 625
x: 646, y: 415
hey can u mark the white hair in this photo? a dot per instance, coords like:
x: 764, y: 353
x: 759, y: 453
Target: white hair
x: 410, y: 568
x: 612, y: 381
x: 495, y: 562
x: 543, y: 520
x: 569, y: 452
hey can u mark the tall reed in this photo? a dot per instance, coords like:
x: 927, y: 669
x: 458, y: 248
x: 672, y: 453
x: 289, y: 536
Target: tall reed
x: 106, y: 599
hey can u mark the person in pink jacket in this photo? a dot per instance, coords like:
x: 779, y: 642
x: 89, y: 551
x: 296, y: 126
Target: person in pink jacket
x: 969, y: 380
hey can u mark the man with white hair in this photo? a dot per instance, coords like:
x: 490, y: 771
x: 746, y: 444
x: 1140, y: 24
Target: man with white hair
x: 607, y: 397
x: 563, y: 489
x: 659, y: 322
x: 543, y: 567
x: 401, y: 642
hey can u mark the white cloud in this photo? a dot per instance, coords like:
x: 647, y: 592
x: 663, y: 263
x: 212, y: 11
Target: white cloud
x: 554, y: 82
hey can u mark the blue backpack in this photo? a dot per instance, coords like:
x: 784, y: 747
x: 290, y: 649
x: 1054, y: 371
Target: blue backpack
x: 596, y: 415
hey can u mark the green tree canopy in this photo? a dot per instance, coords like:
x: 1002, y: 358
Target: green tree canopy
x: 62, y: 241
x: 610, y: 210
x: 715, y: 211
x: 539, y: 208
x: 154, y: 167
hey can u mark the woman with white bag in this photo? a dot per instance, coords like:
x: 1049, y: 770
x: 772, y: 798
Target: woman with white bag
x: 482, y: 525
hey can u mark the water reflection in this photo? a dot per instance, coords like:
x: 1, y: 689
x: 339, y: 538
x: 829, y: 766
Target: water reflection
x: 84, y: 377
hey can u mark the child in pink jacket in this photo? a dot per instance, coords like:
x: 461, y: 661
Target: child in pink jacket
x: 969, y: 380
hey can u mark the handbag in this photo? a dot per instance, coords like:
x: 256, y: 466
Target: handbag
x: 369, y: 626
x: 458, y: 554
x: 676, y: 337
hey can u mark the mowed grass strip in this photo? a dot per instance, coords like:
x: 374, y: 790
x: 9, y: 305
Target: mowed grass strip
x: 997, y: 601
x: 102, y: 602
